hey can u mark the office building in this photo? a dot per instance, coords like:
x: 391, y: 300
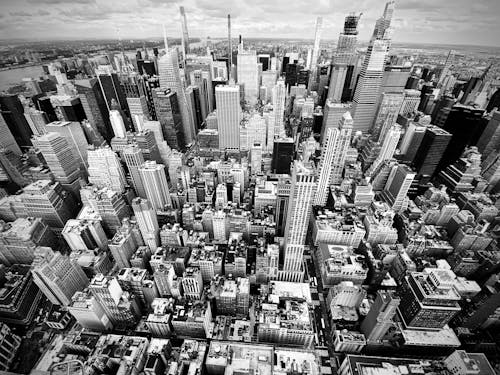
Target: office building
x: 155, y: 184
x: 94, y: 105
x: 387, y: 114
x: 147, y: 221
x: 168, y: 70
x: 279, y: 96
x: 73, y: 133
x: 283, y: 155
x: 105, y: 169
x: 170, y: 117
x: 59, y: 156
x: 379, y: 320
x: 248, y: 75
x: 58, y: 277
x: 120, y: 307
x: 430, y: 152
x: 49, y: 202
x: 134, y: 159
x: 20, y: 238
x: 7, y: 140
x: 228, y: 116
x: 11, y: 110
x: 89, y: 313
x: 333, y: 155
x: 397, y: 186
x: 85, y: 235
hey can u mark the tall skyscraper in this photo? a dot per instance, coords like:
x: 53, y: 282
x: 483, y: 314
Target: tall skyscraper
x: 185, y: 36
x: 430, y: 152
x: 490, y: 139
x: 387, y: 114
x: 105, y: 169
x: 134, y: 159
x: 117, y: 124
x: 59, y: 156
x: 85, y: 235
x: 73, y: 133
x: 388, y: 148
x: 344, y: 59
x: 370, y: 78
x: 168, y: 68
x: 169, y: 115
x: 147, y: 221
x: 279, y: 96
x: 58, y: 277
x: 228, y: 116
x: 155, y: 184
x: 12, y: 112
x: 333, y: 155
x: 302, y: 193
x: 313, y: 66
x: 397, y: 186
x: 248, y: 75
x: 7, y: 140
x: 380, y: 317
x: 94, y: 105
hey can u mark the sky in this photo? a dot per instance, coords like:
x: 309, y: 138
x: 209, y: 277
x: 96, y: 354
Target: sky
x: 473, y: 22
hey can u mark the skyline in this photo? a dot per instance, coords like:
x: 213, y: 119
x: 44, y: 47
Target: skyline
x: 415, y: 22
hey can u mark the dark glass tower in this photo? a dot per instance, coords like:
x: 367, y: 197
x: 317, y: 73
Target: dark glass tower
x: 430, y: 152
x: 13, y: 113
x: 283, y: 152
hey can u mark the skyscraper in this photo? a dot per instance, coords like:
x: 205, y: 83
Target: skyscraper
x: 333, y: 155
x: 59, y: 156
x: 185, y: 36
x: 248, y: 75
x: 117, y: 124
x: 387, y: 114
x: 344, y: 59
x: 388, y: 148
x: 302, y: 193
x: 430, y: 152
x: 12, y: 112
x: 313, y: 67
x: 58, y: 277
x: 134, y: 159
x: 228, y: 116
x: 169, y: 115
x: 85, y: 235
x: 105, y: 169
x: 7, y: 140
x: 147, y: 221
x: 279, y: 96
x: 168, y: 68
x: 380, y: 317
x: 397, y: 186
x: 155, y: 184
x: 370, y: 78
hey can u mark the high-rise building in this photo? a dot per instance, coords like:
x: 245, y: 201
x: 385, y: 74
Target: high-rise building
x: 89, y: 313
x: 168, y: 68
x: 155, y: 184
x: 313, y: 66
x: 169, y: 115
x: 192, y: 283
x: 333, y: 155
x: 105, y: 169
x: 427, y: 299
x: 117, y: 124
x: 109, y: 205
x: 388, y: 148
x: 490, y: 139
x: 387, y: 114
x: 228, y: 116
x: 279, y: 96
x: 302, y: 193
x: 73, y: 133
x: 380, y: 317
x: 411, y: 100
x: 147, y: 221
x: 134, y: 159
x: 49, y: 202
x: 465, y: 124
x: 248, y: 75
x: 332, y: 115
x: 120, y: 307
x: 430, y: 152
x: 7, y: 140
x: 283, y: 154
x: 12, y: 112
x: 19, y: 240
x: 94, y: 105
x: 58, y: 277
x: 397, y: 186
x: 85, y: 235
x: 59, y: 156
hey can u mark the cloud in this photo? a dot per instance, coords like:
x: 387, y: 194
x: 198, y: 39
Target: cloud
x: 61, y: 1
x: 21, y: 13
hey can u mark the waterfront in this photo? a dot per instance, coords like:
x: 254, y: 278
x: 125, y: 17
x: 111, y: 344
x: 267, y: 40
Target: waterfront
x: 11, y: 77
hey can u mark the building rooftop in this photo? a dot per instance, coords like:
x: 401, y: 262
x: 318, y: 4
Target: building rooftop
x: 444, y: 337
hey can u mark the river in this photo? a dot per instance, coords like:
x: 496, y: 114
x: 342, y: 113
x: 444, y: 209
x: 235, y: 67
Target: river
x: 14, y: 76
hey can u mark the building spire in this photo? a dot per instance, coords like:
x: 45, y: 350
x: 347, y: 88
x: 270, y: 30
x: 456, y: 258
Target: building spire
x: 165, y: 38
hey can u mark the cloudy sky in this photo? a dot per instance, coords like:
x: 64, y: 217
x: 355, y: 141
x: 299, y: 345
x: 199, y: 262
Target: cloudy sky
x: 428, y: 21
